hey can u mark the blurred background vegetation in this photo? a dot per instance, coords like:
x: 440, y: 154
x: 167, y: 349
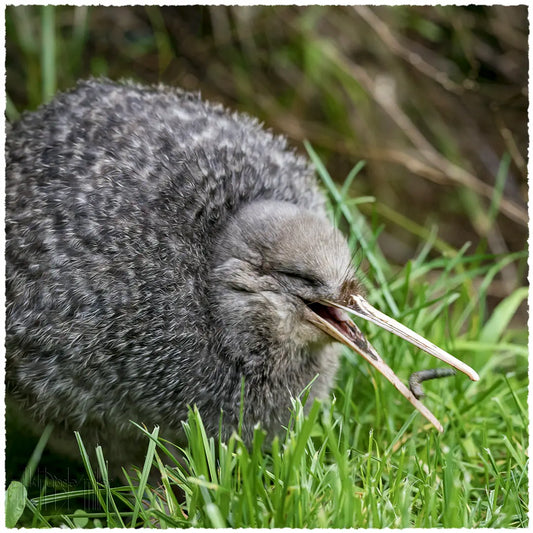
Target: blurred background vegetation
x: 434, y: 99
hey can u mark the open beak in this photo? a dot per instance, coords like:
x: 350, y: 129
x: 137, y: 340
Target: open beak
x: 332, y: 318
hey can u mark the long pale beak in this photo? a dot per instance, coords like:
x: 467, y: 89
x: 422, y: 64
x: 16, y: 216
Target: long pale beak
x: 331, y: 317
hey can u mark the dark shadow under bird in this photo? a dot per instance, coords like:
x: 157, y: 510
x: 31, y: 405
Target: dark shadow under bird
x: 158, y: 250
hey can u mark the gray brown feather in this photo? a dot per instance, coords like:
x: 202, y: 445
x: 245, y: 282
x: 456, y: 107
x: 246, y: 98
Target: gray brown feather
x: 150, y: 241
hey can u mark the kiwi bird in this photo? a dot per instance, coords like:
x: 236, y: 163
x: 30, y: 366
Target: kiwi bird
x: 159, y: 249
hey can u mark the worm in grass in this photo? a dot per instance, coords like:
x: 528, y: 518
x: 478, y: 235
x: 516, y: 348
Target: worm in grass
x: 416, y: 378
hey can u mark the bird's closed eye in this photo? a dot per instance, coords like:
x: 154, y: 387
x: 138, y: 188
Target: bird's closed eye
x: 308, y: 279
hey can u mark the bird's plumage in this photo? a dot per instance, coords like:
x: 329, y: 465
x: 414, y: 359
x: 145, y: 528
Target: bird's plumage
x: 159, y: 251
x: 134, y: 216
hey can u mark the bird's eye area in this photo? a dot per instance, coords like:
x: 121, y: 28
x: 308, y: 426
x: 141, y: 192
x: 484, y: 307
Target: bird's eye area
x: 308, y: 279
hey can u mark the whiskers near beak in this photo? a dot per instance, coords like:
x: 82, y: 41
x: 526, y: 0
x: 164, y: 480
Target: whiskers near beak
x: 333, y: 319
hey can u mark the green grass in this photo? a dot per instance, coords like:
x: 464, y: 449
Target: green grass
x: 364, y: 459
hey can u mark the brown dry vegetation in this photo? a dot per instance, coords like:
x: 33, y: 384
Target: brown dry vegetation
x: 432, y: 98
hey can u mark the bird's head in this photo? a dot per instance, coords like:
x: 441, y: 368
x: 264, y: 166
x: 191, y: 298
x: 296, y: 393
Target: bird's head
x: 283, y: 276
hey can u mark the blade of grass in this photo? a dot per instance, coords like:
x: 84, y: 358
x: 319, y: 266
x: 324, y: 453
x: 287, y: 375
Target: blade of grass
x: 37, y: 513
x: 144, y: 475
x: 502, y: 315
x: 109, y: 495
x: 12, y: 113
x: 48, y: 53
x: 346, y: 187
x: 88, y: 469
x: 497, y: 195
x: 332, y: 188
x: 36, y: 456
